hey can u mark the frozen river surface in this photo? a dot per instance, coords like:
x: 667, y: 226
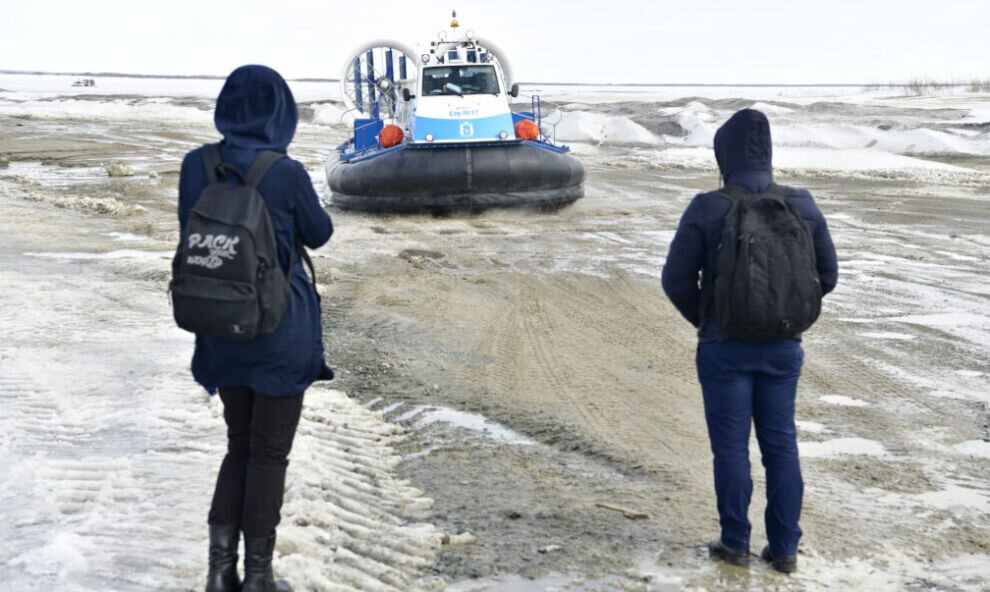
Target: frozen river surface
x: 547, y: 372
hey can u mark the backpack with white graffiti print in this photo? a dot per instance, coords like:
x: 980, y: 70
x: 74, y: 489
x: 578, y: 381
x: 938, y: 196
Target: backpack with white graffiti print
x: 226, y: 278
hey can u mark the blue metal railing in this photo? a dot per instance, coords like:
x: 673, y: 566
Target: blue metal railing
x: 536, y: 116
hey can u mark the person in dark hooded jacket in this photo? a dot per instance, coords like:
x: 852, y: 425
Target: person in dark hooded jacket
x: 260, y: 381
x: 745, y: 382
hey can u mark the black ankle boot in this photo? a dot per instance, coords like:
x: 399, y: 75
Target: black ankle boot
x: 258, y: 566
x: 782, y: 563
x: 223, y: 559
x: 718, y: 551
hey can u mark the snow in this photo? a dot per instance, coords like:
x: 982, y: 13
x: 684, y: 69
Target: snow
x: 110, y: 451
x: 126, y: 236
x: 769, y: 109
x: 698, y: 122
x: 967, y: 325
x: 843, y: 400
x: 472, y: 422
x: 977, y: 448
x: 119, y: 254
x: 841, y: 447
x: 888, y: 335
x: 812, y: 427
x: 53, y: 85
x: 969, y: 373
x: 953, y: 496
x: 596, y: 128
x: 332, y: 114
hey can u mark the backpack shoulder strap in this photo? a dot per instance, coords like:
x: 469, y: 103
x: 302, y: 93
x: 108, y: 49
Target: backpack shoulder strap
x: 781, y: 191
x: 212, y: 161
x: 304, y: 255
x: 733, y: 193
x: 261, y: 166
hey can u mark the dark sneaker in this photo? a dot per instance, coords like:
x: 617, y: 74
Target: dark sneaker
x: 717, y: 550
x: 781, y: 563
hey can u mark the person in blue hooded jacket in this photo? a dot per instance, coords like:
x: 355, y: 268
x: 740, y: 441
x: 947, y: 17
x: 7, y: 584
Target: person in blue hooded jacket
x: 261, y: 381
x: 745, y: 382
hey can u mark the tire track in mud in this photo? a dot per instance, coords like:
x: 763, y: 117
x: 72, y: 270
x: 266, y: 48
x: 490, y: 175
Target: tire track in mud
x: 614, y: 388
x: 600, y: 366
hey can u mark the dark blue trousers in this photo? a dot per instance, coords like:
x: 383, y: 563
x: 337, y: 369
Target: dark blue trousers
x: 742, y: 383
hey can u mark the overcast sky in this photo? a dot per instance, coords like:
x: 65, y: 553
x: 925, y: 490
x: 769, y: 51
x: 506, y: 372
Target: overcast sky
x: 679, y: 41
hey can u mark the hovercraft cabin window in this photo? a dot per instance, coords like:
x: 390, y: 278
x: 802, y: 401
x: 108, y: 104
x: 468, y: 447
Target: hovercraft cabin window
x: 472, y: 80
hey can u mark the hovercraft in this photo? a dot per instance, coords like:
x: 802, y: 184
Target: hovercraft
x: 437, y: 132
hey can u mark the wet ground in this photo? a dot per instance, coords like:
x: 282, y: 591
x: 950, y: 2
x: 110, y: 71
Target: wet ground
x: 543, y: 379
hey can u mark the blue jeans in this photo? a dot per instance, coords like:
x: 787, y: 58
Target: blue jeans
x: 745, y: 382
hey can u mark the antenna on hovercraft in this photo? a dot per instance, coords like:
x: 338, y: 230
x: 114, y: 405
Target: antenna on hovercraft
x: 453, y: 22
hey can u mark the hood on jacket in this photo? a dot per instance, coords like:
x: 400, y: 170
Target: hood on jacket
x: 742, y: 144
x: 256, y: 110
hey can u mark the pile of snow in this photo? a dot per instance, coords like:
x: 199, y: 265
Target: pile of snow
x: 698, y: 122
x: 119, y: 169
x: 597, y: 128
x: 331, y: 114
x: 855, y: 159
x: 770, y: 110
x: 921, y: 141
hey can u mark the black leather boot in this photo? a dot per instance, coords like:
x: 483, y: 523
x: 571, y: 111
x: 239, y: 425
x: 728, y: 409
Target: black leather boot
x: 223, y: 559
x: 718, y: 551
x: 782, y: 563
x: 258, y: 566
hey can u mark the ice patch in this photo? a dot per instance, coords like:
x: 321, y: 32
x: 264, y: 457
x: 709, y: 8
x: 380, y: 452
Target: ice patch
x: 841, y: 447
x: 948, y: 319
x: 969, y: 326
x: 120, y: 254
x: 372, y: 402
x: 596, y: 128
x: 390, y: 408
x: 843, y: 400
x: 473, y: 422
x: 951, y: 497
x: 126, y: 236
x: 888, y: 335
x: 812, y: 427
x: 969, y: 373
x: 980, y: 448
x: 113, y: 110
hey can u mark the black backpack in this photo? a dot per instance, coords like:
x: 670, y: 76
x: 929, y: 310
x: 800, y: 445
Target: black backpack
x: 767, y: 286
x: 226, y: 278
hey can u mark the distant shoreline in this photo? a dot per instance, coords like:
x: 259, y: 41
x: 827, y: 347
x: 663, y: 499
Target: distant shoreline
x: 336, y: 80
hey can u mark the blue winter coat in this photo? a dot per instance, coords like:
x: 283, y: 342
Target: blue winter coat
x: 744, y: 153
x: 256, y: 111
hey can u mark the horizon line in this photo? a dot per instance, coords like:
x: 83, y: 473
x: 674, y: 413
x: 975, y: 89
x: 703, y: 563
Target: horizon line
x: 337, y: 80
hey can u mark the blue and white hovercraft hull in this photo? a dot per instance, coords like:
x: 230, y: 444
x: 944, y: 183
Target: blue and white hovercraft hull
x: 442, y: 134
x: 457, y: 176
